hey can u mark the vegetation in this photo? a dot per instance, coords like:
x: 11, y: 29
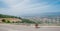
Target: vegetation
x: 3, y: 20
x: 8, y: 16
x: 27, y: 21
x: 13, y: 22
x: 8, y: 21
x: 39, y: 22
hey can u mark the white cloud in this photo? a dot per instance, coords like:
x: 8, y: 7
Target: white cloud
x: 12, y: 2
x: 19, y: 7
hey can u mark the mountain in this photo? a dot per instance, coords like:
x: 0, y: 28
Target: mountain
x: 47, y: 14
x: 51, y: 14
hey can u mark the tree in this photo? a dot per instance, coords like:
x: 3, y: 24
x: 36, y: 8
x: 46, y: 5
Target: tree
x: 13, y: 22
x: 40, y: 22
x: 8, y: 21
x: 3, y: 20
x: 27, y: 21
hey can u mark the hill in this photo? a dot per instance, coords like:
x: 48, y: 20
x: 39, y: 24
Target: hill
x: 8, y: 16
x: 11, y: 19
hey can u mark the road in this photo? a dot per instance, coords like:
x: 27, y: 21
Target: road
x: 26, y: 28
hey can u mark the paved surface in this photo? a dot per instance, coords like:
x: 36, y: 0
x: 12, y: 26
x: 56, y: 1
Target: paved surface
x: 26, y: 28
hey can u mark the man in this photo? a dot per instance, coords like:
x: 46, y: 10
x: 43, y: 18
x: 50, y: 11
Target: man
x: 36, y: 25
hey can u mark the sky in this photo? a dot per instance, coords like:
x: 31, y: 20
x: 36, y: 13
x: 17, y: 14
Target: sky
x: 26, y: 7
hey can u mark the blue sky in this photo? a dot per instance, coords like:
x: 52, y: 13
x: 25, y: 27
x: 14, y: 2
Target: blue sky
x: 25, y: 7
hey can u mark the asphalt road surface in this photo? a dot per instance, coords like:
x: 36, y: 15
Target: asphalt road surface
x: 26, y: 28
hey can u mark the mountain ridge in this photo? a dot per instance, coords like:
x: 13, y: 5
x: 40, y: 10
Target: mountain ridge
x: 47, y: 14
